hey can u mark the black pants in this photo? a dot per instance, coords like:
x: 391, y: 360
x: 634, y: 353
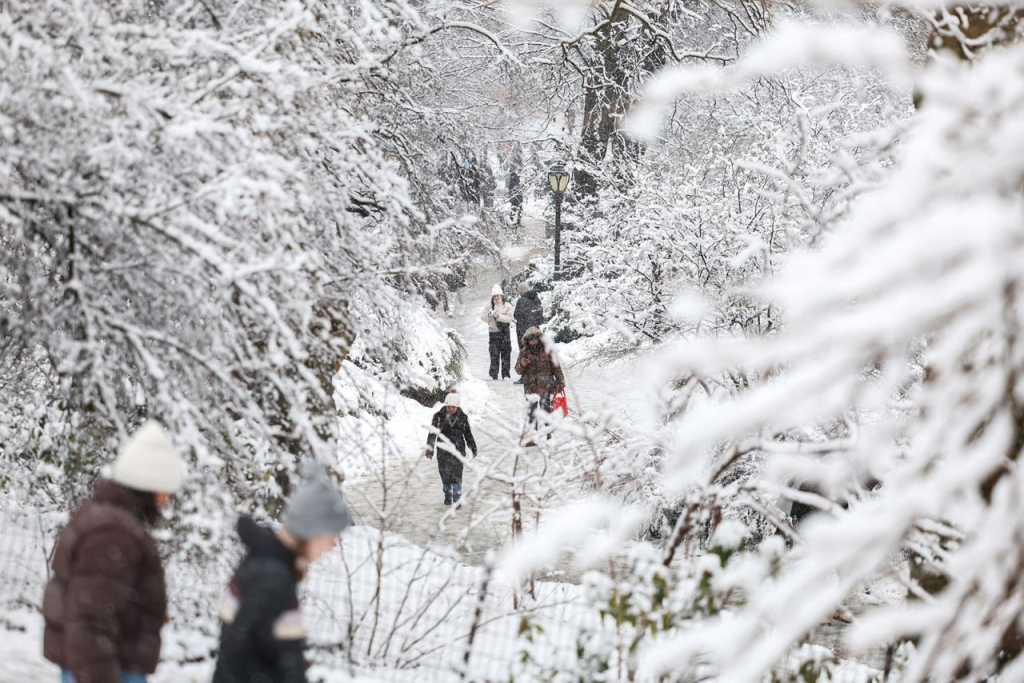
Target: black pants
x: 542, y: 402
x: 500, y: 348
x: 449, y: 467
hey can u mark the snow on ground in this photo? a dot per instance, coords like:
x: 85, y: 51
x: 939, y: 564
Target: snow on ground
x: 406, y: 598
x: 377, y: 600
x: 393, y: 487
x: 370, y: 440
x: 404, y: 593
x: 401, y: 492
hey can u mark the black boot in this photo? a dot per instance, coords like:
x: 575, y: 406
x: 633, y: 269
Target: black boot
x: 447, y: 494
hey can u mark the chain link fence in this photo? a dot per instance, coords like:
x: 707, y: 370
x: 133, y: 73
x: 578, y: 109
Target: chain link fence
x: 380, y: 608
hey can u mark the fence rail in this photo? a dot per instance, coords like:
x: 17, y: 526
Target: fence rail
x: 379, y: 607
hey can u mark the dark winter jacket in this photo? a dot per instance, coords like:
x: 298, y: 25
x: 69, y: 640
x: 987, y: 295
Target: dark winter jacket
x: 455, y: 434
x: 262, y: 639
x: 529, y: 312
x: 539, y: 371
x: 107, y: 601
x: 514, y: 186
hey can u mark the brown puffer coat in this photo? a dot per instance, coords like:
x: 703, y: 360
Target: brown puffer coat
x: 106, y: 603
x: 539, y: 371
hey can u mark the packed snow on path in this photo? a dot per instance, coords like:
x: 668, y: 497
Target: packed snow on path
x: 398, y: 490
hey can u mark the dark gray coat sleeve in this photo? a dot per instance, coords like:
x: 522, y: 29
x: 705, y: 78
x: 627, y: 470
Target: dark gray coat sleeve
x: 470, y: 441
x: 266, y: 598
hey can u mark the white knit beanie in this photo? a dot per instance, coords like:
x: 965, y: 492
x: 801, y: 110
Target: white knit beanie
x: 452, y: 400
x: 148, y: 461
x: 496, y: 291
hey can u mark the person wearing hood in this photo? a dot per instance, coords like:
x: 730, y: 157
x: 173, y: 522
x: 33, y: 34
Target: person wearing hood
x: 106, y: 602
x: 499, y: 316
x: 262, y: 639
x: 529, y: 312
x: 541, y: 373
x: 451, y: 424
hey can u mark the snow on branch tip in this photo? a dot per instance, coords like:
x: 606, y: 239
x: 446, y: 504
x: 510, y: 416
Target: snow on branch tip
x: 793, y: 45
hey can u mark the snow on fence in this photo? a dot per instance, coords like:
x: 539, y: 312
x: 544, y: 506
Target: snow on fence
x: 378, y: 608
x: 419, y: 612
x: 25, y: 546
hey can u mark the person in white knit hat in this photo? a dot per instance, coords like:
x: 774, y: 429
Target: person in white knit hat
x: 106, y: 602
x: 499, y: 315
x: 450, y: 436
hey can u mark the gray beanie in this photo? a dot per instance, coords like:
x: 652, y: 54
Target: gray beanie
x: 523, y: 288
x: 317, y: 508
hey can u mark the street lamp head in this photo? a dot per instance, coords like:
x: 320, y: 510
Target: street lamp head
x: 559, y: 179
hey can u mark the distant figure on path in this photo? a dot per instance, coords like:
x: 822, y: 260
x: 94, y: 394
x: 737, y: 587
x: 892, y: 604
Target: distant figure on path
x: 107, y: 600
x: 514, y: 187
x: 499, y: 316
x: 541, y: 373
x: 455, y: 280
x: 452, y: 425
x: 487, y: 183
x: 529, y: 313
x: 262, y: 637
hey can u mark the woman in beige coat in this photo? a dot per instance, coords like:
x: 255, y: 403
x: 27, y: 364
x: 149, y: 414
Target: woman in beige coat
x: 499, y: 315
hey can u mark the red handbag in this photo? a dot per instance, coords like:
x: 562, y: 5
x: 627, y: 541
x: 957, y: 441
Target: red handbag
x: 560, y: 402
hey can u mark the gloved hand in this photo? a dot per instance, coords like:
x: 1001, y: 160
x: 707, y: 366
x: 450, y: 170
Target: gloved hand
x: 429, y: 454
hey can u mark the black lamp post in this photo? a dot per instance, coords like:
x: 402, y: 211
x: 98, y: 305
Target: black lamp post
x: 559, y: 179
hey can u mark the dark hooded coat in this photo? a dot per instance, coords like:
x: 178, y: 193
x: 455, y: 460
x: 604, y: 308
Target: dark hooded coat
x: 107, y: 600
x: 455, y: 435
x: 261, y: 638
x: 539, y: 371
x: 529, y: 313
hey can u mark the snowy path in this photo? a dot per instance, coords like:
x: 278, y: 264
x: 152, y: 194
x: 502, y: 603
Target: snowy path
x: 406, y: 497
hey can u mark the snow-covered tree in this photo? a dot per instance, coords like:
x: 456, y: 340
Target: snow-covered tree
x: 200, y: 216
x: 895, y: 366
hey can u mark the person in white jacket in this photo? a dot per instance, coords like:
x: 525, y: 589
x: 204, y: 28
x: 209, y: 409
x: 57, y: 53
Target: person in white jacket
x: 499, y: 315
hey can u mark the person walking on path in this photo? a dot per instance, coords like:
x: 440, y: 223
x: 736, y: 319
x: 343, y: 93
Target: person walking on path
x: 499, y: 317
x: 541, y: 373
x: 529, y: 311
x: 106, y: 602
x: 515, y: 197
x: 262, y: 639
x: 452, y: 425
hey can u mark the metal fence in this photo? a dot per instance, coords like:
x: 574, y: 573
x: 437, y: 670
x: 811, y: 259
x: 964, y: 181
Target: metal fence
x: 378, y: 609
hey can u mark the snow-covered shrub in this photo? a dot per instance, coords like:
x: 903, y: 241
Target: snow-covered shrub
x: 199, y: 219
x: 643, y: 600
x: 921, y: 272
